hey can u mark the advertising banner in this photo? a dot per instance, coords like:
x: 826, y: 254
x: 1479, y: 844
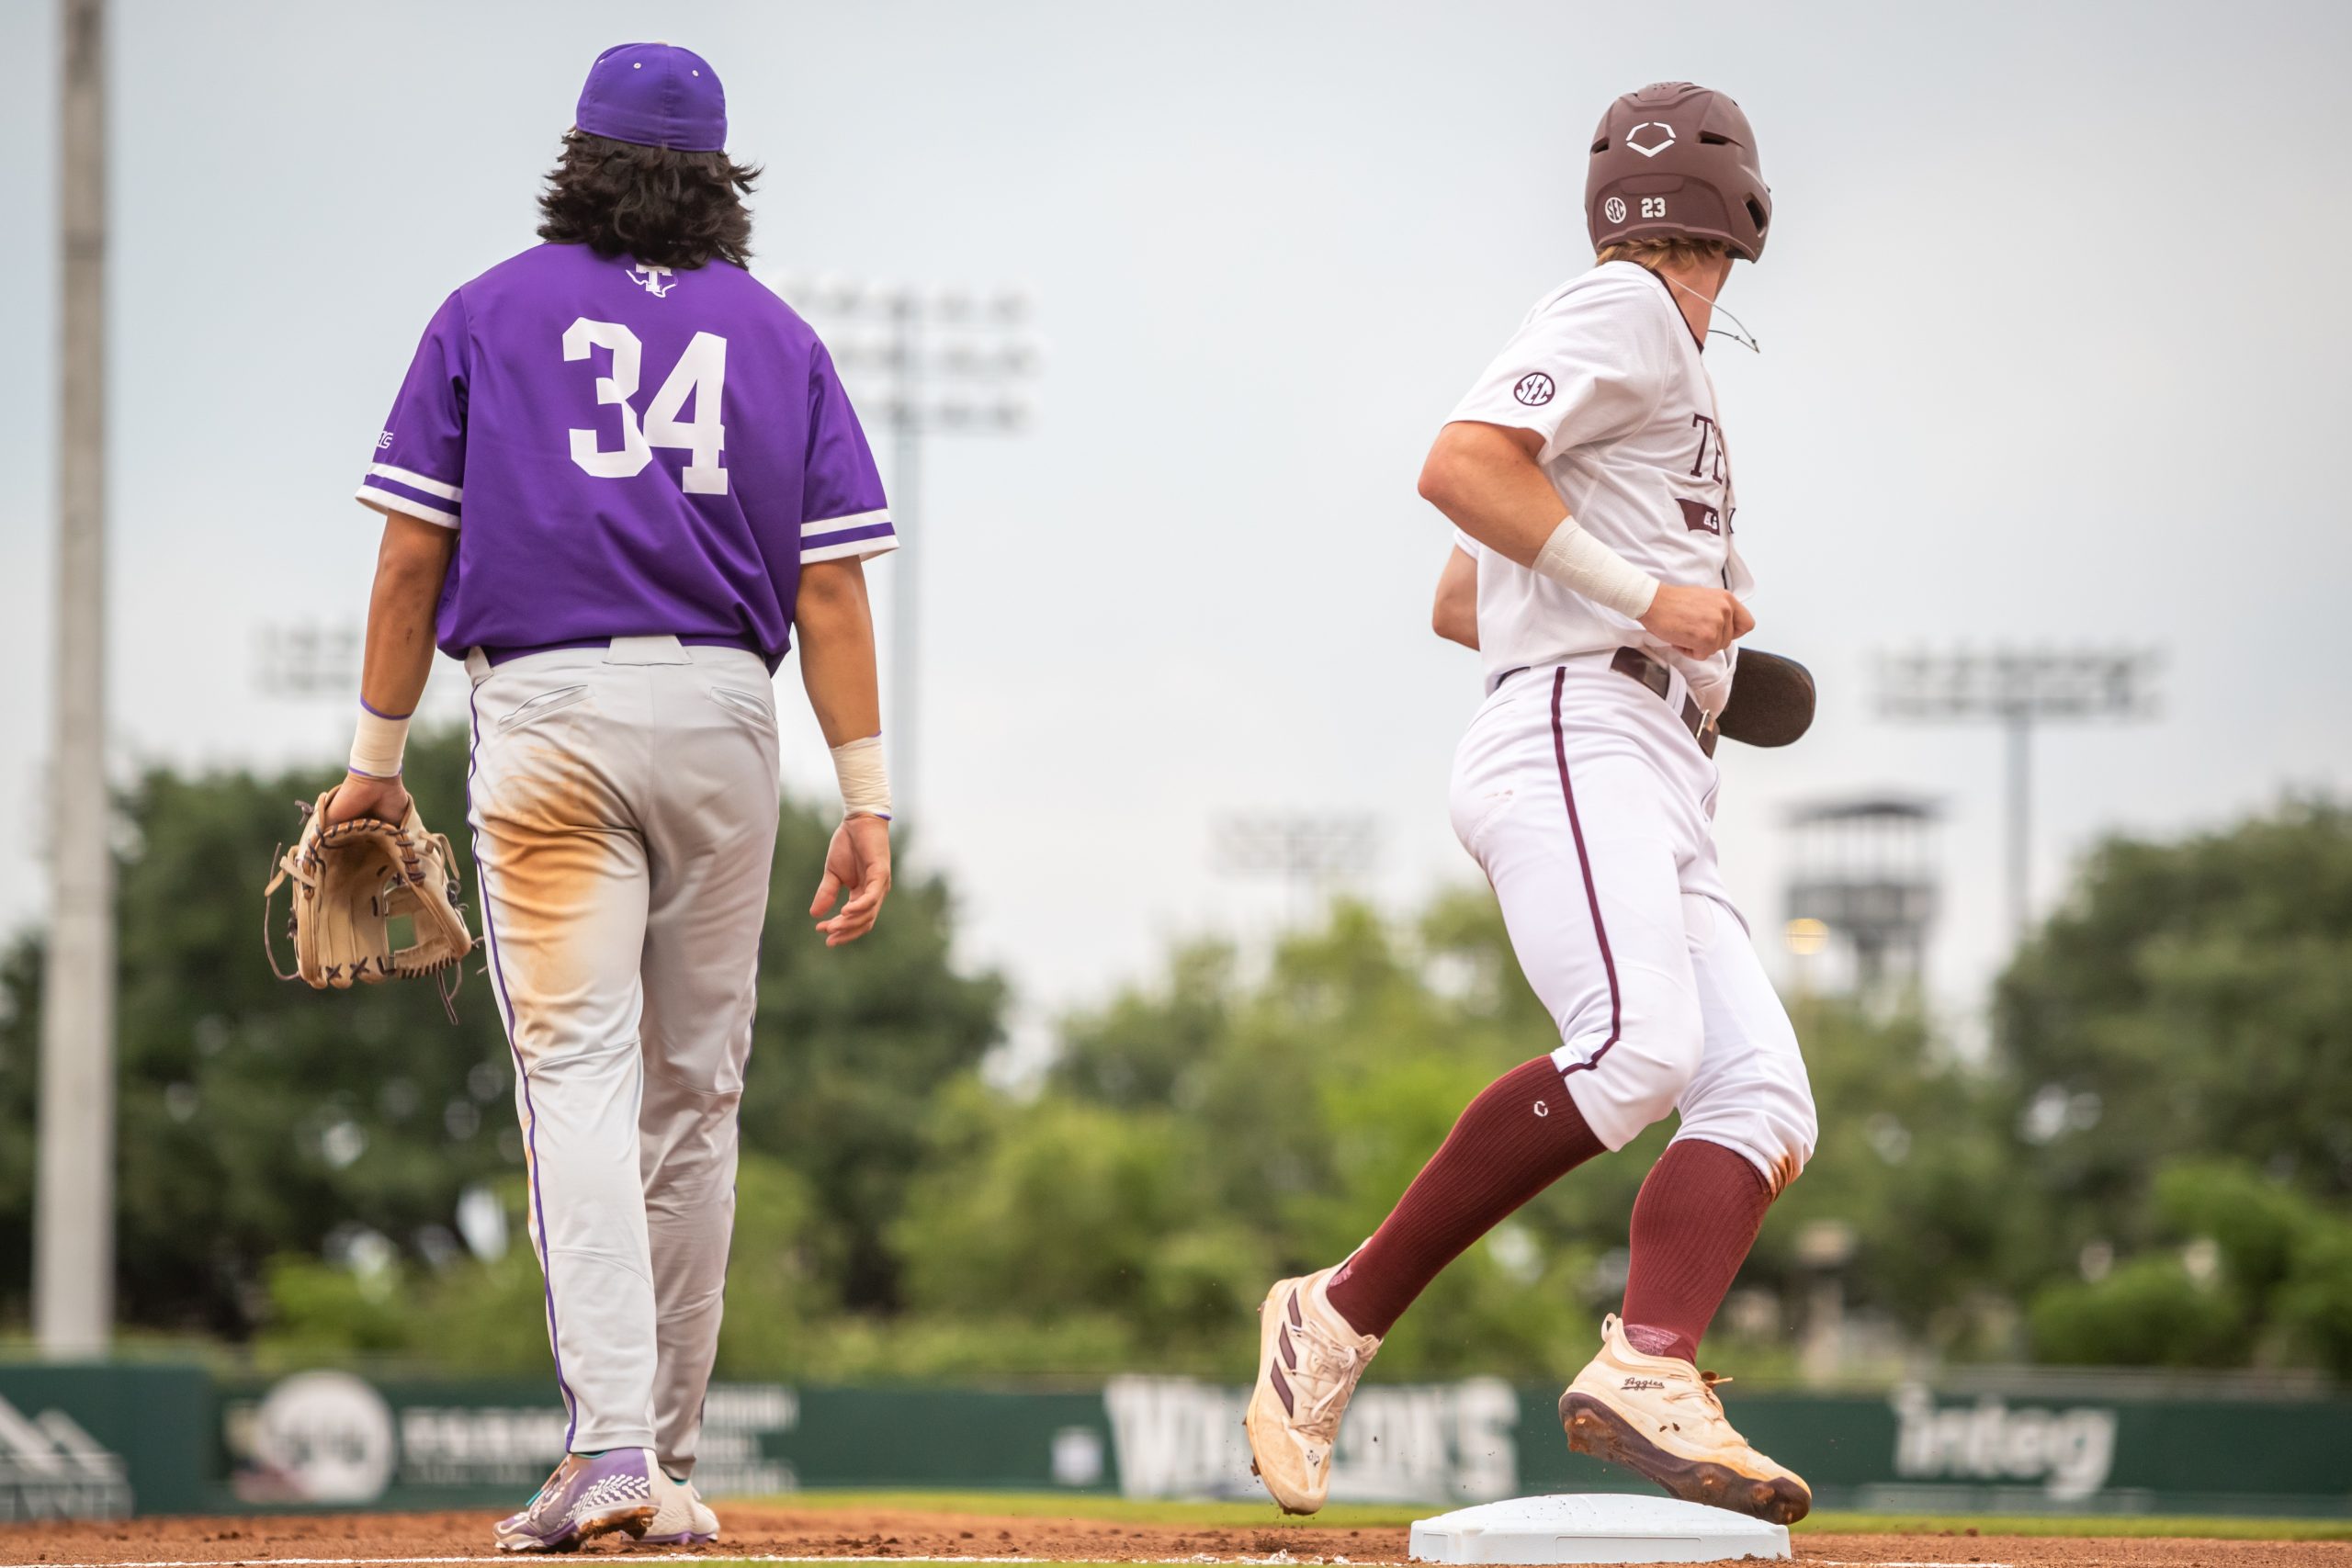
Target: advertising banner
x: 333, y: 1439
x: 104, y: 1441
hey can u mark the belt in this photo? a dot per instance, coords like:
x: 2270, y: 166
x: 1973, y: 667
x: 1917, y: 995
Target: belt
x: 1653, y: 674
x: 501, y: 655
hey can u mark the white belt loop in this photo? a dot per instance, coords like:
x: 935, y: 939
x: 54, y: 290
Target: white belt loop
x: 477, y: 665
x: 1678, y: 688
x: 648, y: 650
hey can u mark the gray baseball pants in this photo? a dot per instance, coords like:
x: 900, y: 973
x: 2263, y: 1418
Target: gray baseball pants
x: 623, y: 800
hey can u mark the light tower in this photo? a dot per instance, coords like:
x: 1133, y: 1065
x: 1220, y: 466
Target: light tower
x: 1866, y: 874
x: 308, y: 659
x: 2021, y: 689
x: 921, y: 361
x: 74, y: 1189
x: 1310, y: 852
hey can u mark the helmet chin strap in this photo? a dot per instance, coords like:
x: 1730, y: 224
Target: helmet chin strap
x: 1743, y: 337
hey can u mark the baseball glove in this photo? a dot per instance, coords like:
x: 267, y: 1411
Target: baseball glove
x: 351, y: 881
x: 1771, y: 700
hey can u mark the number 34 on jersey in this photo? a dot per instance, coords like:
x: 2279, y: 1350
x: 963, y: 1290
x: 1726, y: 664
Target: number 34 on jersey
x: 700, y: 374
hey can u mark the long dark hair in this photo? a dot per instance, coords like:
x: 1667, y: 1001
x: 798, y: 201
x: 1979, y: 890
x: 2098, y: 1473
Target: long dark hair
x: 663, y: 208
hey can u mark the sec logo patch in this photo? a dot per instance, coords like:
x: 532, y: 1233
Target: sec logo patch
x: 1535, y: 390
x: 1615, y: 207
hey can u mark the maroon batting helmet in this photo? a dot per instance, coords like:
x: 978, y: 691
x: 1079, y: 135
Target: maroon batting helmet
x: 1676, y: 161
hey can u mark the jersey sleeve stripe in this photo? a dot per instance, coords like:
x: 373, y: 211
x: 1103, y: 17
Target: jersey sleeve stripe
x: 409, y: 492
x: 409, y: 496
x: 387, y: 501
x: 845, y: 536
x: 416, y: 481
x: 809, y: 531
x: 871, y: 543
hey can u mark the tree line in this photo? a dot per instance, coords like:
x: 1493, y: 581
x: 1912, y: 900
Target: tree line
x: 2151, y: 1165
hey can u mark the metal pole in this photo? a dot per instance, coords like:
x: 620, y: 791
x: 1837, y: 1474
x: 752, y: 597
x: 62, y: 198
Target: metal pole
x: 905, y: 725
x: 2021, y: 822
x: 74, y: 1212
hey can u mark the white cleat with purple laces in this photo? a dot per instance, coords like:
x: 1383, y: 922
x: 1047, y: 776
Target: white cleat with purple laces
x: 584, y: 1498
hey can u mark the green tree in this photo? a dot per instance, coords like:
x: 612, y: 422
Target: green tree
x: 849, y: 1044
x: 1062, y: 1206
x: 2190, y: 1003
x: 2190, y: 997
x: 257, y: 1117
x: 489, y: 1316
x: 2313, y: 1304
x: 260, y: 1119
x: 1202, y: 1135
x: 2151, y: 1312
x: 2244, y: 1269
x: 1915, y: 1160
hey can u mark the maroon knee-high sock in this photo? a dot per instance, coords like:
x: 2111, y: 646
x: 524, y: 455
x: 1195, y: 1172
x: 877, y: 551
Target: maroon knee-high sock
x: 1518, y: 1136
x: 1700, y: 1209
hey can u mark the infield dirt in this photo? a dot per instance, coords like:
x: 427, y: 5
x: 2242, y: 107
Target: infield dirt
x: 908, y: 1534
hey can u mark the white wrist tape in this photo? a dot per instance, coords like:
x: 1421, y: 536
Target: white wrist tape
x: 375, y: 748
x: 1577, y: 560
x: 865, y: 778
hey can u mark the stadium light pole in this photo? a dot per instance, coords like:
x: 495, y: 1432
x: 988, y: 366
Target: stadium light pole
x: 2021, y: 689
x: 73, y: 1201
x: 921, y: 361
x: 1310, y: 851
x: 308, y: 659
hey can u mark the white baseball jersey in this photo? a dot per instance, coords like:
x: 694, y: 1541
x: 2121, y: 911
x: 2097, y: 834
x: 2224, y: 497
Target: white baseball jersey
x: 1581, y: 794
x: 1606, y: 370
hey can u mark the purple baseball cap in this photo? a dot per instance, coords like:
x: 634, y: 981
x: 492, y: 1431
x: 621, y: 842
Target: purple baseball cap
x: 654, y: 95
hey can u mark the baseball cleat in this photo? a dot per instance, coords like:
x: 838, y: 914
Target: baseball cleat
x: 584, y: 1498
x: 680, y: 1515
x: 1308, y: 1362
x: 1660, y: 1417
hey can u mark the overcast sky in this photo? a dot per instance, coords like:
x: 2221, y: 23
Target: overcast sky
x: 2054, y: 352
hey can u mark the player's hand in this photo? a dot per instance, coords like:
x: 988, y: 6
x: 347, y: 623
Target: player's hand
x: 858, y: 863
x: 384, y: 799
x: 1700, y: 621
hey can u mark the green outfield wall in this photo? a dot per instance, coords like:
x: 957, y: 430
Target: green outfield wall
x: 107, y: 1440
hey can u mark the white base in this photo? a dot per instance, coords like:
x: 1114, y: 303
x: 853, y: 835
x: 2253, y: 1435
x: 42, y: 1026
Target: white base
x: 1595, y: 1526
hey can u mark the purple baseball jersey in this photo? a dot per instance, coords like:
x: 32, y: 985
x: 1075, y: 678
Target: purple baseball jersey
x: 626, y: 451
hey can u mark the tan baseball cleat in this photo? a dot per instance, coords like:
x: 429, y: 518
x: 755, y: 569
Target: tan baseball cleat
x: 1660, y: 1417
x: 1308, y: 1362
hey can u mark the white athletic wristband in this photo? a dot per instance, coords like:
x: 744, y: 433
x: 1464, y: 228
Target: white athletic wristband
x: 865, y: 778
x: 375, y: 748
x: 1577, y: 560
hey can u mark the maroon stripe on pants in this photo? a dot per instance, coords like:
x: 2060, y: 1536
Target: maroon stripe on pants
x: 1584, y: 864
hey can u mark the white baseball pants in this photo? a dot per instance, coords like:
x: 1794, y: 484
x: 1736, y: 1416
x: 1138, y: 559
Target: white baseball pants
x: 624, y: 809
x: 1589, y: 807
